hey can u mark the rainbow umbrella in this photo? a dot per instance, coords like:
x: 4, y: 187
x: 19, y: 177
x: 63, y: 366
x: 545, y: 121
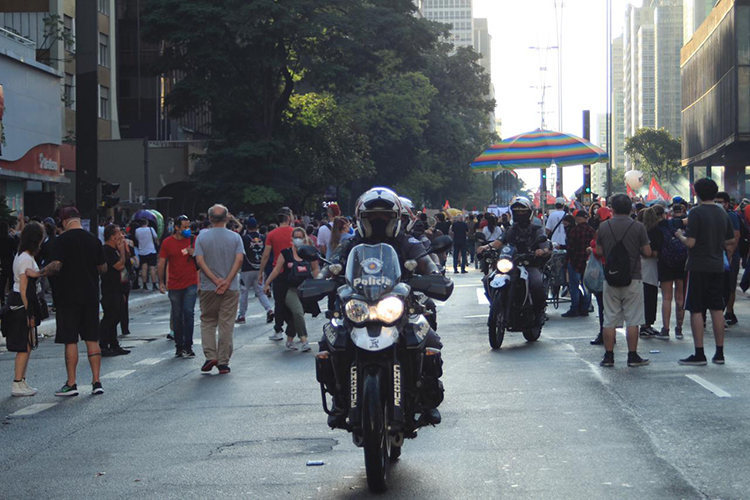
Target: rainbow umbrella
x: 539, y: 149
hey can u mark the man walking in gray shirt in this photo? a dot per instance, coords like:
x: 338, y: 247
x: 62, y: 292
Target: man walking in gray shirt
x: 218, y: 253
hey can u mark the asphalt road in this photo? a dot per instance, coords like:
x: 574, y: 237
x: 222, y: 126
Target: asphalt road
x: 534, y: 421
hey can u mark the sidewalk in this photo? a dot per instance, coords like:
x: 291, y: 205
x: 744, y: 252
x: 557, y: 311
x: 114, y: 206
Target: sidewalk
x: 138, y: 300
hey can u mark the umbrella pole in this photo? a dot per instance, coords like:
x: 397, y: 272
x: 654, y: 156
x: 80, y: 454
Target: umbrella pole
x: 543, y: 190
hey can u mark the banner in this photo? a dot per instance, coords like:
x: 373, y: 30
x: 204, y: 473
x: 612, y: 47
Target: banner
x: 655, y: 192
x: 631, y: 193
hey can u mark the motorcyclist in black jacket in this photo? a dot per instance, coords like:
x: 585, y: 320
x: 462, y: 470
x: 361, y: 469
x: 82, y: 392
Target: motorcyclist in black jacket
x: 378, y: 213
x: 527, y: 238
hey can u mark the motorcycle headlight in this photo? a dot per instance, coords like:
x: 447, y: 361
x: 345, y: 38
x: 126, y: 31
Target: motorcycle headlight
x: 357, y: 311
x: 504, y: 265
x: 389, y: 309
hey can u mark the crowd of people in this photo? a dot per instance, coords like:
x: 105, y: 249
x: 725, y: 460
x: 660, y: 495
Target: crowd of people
x: 692, y: 254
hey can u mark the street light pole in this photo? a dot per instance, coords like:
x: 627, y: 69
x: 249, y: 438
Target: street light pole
x: 610, y: 104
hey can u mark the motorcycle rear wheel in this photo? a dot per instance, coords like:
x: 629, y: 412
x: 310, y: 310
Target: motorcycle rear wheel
x: 374, y: 436
x: 497, y: 330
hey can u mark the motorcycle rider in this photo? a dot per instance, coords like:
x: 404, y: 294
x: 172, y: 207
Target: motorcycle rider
x: 378, y: 213
x: 526, y: 237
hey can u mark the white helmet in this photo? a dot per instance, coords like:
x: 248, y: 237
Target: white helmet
x: 522, y: 203
x: 407, y: 212
x: 378, y: 201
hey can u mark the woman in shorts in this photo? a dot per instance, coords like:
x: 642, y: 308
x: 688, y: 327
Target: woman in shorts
x: 24, y: 313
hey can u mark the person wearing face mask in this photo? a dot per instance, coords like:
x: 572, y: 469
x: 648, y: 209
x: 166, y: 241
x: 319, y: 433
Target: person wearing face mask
x: 291, y: 271
x: 176, y: 253
x: 526, y: 237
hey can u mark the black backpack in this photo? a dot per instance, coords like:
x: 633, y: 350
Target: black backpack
x: 617, y: 270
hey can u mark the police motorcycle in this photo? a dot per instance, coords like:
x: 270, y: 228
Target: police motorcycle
x: 386, y: 395
x: 507, y: 288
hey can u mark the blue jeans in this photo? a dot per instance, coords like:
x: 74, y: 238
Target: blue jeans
x: 580, y: 298
x: 183, y: 315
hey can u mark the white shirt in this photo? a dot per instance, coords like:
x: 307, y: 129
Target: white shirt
x: 21, y: 263
x: 495, y: 234
x: 554, y: 221
x: 324, y: 237
x: 145, y: 236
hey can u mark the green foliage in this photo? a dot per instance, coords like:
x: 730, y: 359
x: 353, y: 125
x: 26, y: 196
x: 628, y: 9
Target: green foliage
x: 656, y: 153
x: 305, y: 94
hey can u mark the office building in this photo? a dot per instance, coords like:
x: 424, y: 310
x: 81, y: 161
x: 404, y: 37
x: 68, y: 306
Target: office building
x: 694, y: 12
x: 457, y: 13
x: 483, y: 44
x: 599, y: 170
x: 668, y: 29
x: 617, y: 152
x: 31, y: 120
x: 636, y: 19
x: 716, y: 108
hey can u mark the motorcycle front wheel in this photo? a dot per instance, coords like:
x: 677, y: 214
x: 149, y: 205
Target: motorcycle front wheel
x: 375, y: 438
x: 497, y: 327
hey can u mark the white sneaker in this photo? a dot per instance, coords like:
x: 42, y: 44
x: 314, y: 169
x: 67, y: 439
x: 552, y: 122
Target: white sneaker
x: 25, y: 384
x: 305, y: 347
x: 291, y: 346
x: 276, y: 336
x: 19, y: 389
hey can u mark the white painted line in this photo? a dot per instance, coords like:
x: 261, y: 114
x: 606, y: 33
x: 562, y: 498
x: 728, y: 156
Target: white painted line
x: 465, y: 286
x: 482, y: 298
x: 475, y: 316
x: 118, y: 374
x: 149, y: 361
x: 197, y: 342
x: 708, y: 385
x: 32, y: 409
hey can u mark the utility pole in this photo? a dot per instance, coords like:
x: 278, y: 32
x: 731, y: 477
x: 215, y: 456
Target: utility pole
x: 87, y: 111
x: 610, y: 103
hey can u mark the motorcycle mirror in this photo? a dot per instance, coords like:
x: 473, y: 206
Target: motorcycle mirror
x: 410, y: 265
x: 441, y: 244
x: 308, y: 253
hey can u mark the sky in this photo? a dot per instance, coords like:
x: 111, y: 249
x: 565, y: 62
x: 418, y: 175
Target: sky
x: 517, y: 25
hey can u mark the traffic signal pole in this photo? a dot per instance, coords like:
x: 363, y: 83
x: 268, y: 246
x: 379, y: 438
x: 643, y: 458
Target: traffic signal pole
x: 586, y: 194
x: 87, y: 112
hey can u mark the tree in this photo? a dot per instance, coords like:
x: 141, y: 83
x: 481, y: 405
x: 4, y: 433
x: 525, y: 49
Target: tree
x: 304, y: 94
x: 656, y: 153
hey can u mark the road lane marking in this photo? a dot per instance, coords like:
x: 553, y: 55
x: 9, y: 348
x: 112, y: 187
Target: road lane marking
x: 708, y: 385
x: 149, y: 361
x: 32, y: 409
x: 465, y: 286
x: 474, y: 316
x: 118, y: 374
x: 482, y: 298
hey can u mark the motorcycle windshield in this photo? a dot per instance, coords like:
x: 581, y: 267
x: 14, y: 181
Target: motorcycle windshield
x: 373, y: 270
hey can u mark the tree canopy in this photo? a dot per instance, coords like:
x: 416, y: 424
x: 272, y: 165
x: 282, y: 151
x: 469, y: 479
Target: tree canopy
x: 307, y: 94
x: 656, y: 153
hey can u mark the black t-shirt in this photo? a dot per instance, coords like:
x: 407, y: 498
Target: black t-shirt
x: 711, y: 228
x: 460, y: 232
x: 111, y: 279
x: 443, y: 227
x: 80, y: 252
x: 253, y: 243
x: 8, y: 247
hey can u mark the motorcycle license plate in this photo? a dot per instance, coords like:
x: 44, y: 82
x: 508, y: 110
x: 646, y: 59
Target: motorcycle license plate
x: 500, y: 281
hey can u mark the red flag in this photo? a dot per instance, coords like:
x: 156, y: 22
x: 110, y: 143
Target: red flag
x: 631, y: 193
x: 447, y: 205
x: 655, y: 192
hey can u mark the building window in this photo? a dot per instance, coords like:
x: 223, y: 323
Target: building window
x: 69, y: 30
x: 103, y: 102
x: 104, y: 7
x: 70, y: 91
x: 103, y: 50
